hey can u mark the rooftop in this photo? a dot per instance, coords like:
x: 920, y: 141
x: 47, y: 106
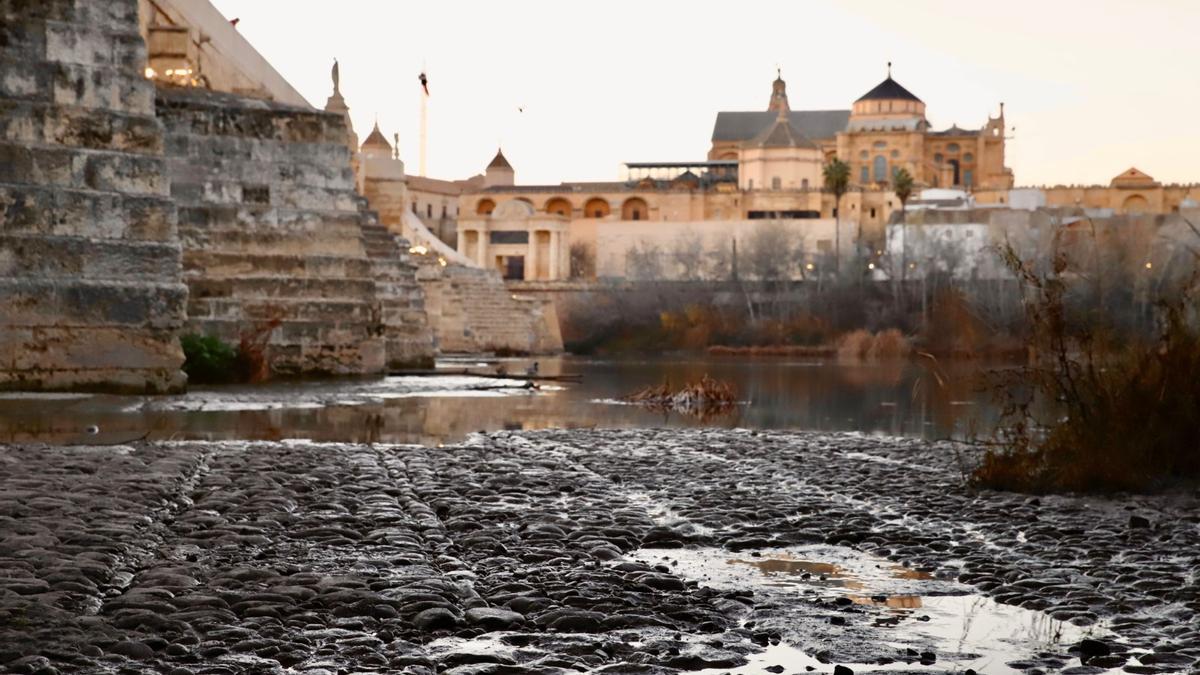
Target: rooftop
x: 743, y: 126
x: 889, y: 90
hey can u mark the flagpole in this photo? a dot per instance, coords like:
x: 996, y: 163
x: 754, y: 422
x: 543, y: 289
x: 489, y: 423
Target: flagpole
x: 424, y: 129
x: 424, y: 122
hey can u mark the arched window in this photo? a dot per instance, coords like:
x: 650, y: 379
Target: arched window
x: 596, y: 208
x: 483, y: 208
x: 880, y: 170
x: 634, y: 208
x: 938, y: 158
x: 864, y: 174
x: 559, y: 206
x: 968, y: 158
x: 952, y: 148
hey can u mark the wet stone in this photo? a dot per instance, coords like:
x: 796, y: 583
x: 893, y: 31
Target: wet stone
x: 233, y: 557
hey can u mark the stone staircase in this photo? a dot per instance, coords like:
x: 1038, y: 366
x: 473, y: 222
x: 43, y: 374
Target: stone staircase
x: 278, y: 243
x: 471, y: 311
x: 409, y: 339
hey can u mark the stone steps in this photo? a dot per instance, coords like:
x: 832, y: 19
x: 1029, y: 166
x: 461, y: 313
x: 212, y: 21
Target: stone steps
x: 76, y: 169
x: 69, y: 258
x: 31, y: 122
x: 227, y: 265
x: 290, y: 309
x: 39, y: 209
x: 257, y: 288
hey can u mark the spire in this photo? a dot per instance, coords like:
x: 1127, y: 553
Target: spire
x: 889, y: 70
x: 499, y: 161
x: 779, y: 100
x: 377, y: 141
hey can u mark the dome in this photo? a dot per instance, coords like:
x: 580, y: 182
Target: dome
x: 889, y: 90
x: 376, y: 141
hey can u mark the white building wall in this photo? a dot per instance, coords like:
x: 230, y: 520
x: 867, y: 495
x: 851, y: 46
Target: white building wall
x: 614, y: 239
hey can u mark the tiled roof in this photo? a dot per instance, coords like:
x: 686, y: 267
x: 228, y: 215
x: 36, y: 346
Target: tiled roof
x: 889, y: 90
x: 743, y: 126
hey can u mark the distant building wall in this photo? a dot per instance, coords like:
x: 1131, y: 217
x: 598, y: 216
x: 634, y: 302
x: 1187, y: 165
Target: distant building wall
x: 811, y: 241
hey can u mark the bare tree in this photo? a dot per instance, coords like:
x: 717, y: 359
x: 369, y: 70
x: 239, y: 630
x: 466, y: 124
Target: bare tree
x: 687, y: 252
x: 719, y: 259
x: 769, y: 252
x: 583, y: 261
x: 643, y: 262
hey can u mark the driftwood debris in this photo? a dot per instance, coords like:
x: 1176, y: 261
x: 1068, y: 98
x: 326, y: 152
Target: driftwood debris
x: 704, y: 398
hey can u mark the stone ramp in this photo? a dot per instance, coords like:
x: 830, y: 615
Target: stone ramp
x: 89, y: 257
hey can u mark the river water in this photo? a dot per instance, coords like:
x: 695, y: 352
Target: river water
x: 920, y: 399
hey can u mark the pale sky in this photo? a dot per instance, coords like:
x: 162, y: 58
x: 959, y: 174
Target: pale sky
x: 1092, y: 87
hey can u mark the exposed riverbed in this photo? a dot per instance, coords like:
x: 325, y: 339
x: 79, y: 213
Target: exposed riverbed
x: 623, y: 551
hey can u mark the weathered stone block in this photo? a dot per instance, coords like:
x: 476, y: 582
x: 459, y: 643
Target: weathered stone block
x: 41, y: 302
x: 90, y: 274
x: 65, y: 212
x: 41, y: 257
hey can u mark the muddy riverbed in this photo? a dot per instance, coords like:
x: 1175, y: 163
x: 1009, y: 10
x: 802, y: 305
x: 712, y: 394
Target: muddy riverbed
x: 619, y: 551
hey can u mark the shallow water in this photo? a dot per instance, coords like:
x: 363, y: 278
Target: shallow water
x: 778, y: 393
x: 916, y: 611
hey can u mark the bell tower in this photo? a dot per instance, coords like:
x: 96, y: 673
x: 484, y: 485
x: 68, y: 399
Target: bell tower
x: 779, y: 99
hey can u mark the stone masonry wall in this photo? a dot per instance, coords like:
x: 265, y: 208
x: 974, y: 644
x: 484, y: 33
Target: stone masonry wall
x: 90, y: 290
x: 274, y: 233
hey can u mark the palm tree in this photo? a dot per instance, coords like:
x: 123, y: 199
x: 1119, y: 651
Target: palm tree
x: 902, y: 185
x: 837, y: 182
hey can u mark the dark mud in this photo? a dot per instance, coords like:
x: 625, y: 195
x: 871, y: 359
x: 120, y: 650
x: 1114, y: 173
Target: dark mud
x: 575, y: 551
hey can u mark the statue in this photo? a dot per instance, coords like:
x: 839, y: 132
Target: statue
x: 336, y: 78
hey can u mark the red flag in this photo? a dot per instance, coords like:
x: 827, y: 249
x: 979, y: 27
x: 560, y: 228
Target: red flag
x: 424, y: 82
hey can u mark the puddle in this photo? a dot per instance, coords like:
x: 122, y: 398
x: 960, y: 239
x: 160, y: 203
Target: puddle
x: 906, y: 608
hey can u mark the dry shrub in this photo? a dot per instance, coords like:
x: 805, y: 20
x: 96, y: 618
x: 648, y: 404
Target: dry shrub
x: 853, y: 346
x: 253, y: 364
x: 888, y: 345
x: 862, y: 345
x: 705, y: 398
x: 1096, y: 411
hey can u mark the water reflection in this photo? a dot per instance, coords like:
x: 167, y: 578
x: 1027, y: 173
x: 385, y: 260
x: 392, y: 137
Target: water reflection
x: 963, y: 629
x: 899, y: 398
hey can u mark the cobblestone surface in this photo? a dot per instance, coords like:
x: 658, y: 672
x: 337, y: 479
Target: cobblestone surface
x: 511, y: 553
